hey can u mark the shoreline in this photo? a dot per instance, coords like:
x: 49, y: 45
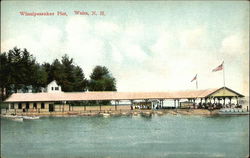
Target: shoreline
x: 123, y: 112
x: 110, y: 113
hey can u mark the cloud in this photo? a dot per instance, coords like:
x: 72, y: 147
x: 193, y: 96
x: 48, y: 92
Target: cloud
x: 82, y: 45
x: 134, y: 52
x: 139, y: 58
x: 77, y: 26
x: 235, y: 44
x: 235, y: 49
x: 23, y: 40
x: 106, y: 29
x: 162, y: 44
x: 193, y: 38
x: 116, y: 54
x: 46, y: 42
x: 133, y: 33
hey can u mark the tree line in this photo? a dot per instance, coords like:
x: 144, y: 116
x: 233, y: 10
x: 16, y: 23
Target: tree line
x: 19, y: 71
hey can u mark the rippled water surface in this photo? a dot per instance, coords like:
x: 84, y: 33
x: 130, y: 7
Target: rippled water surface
x: 173, y: 136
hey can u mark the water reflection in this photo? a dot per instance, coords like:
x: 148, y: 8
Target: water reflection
x: 126, y: 136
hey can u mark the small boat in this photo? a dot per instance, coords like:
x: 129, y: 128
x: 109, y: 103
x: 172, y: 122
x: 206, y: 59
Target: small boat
x: 20, y: 119
x: 159, y: 113
x: 31, y: 117
x: 146, y: 114
x: 13, y: 117
x: 8, y: 116
x: 124, y: 114
x: 105, y: 115
x: 135, y: 114
x: 233, y: 111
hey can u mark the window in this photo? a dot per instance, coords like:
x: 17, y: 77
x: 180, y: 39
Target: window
x: 27, y: 106
x: 52, y: 88
x: 34, y: 105
x: 56, y: 88
x: 19, y: 105
x: 42, y: 106
x: 12, y: 106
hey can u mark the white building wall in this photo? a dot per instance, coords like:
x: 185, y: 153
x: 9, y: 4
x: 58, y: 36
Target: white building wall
x: 53, y: 87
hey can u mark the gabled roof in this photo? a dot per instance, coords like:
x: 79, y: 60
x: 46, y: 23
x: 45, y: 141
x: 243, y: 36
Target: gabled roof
x: 104, y: 95
x: 54, y: 81
x: 227, y: 89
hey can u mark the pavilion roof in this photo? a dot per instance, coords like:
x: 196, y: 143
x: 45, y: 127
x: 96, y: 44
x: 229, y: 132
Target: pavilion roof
x: 105, y: 95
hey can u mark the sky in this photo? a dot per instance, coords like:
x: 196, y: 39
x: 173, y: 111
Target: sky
x: 146, y: 45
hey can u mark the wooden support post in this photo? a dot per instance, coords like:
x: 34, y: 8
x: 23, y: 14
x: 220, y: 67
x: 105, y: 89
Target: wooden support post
x: 116, y: 105
x: 131, y: 104
x: 160, y: 103
x: 63, y: 106
x: 146, y: 103
x: 100, y: 105
x: 230, y: 102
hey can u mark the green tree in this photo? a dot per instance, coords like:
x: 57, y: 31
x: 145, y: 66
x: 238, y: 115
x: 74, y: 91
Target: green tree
x: 4, y: 75
x: 81, y: 82
x: 39, y: 77
x: 67, y: 74
x: 20, y: 71
x: 101, y: 80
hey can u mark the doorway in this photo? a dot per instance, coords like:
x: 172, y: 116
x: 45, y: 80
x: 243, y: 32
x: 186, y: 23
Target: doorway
x: 51, y: 107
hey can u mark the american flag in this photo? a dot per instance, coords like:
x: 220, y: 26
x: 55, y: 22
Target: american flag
x: 220, y: 67
x: 195, y: 77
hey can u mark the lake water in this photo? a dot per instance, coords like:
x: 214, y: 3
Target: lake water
x: 172, y: 136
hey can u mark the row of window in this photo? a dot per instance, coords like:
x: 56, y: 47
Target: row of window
x: 56, y: 88
x: 27, y: 106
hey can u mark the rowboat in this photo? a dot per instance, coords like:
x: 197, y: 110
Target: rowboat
x: 11, y: 116
x: 105, y: 115
x: 233, y: 111
x: 20, y: 119
x: 31, y: 117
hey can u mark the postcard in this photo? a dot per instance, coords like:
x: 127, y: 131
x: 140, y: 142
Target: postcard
x: 124, y: 79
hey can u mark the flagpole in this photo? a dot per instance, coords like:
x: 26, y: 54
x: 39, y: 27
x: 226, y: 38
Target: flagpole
x: 224, y: 74
x: 196, y: 82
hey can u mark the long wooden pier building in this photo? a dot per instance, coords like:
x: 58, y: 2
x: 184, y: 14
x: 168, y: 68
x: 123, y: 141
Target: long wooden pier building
x: 49, y: 102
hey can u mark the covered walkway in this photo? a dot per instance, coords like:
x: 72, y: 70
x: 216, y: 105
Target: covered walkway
x: 217, y: 97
